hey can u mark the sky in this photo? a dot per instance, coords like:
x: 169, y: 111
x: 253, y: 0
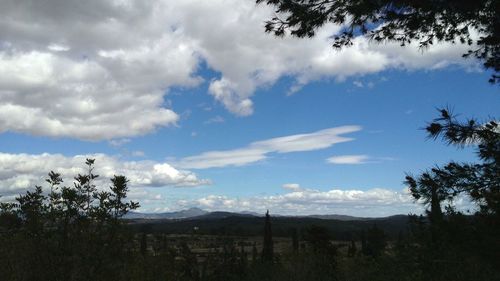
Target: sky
x: 199, y: 107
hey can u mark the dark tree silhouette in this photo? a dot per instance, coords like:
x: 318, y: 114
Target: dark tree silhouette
x: 73, y: 233
x: 323, y: 255
x: 475, y: 23
x: 375, y: 241
x: 268, y: 247
x: 479, y: 181
x: 456, y: 239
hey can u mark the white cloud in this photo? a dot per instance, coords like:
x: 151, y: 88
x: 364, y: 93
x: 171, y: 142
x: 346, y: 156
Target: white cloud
x: 306, y: 142
x: 118, y: 142
x: 92, y: 71
x: 370, y: 203
x: 348, y: 159
x: 223, y: 158
x: 98, y: 70
x: 358, y: 84
x: 19, y: 172
x: 58, y: 48
x: 216, y: 119
x: 357, y: 159
x: 248, y: 58
x: 258, y: 150
x: 138, y: 153
x: 291, y: 186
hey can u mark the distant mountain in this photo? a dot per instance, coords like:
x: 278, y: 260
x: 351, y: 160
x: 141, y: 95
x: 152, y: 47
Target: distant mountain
x: 184, y: 214
x: 222, y: 215
x: 255, y: 214
x: 199, y: 214
x: 337, y: 217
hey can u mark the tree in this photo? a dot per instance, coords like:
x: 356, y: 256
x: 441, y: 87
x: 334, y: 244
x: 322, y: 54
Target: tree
x: 454, y: 238
x: 375, y: 241
x: 479, y: 181
x: 402, y: 21
x: 71, y: 233
x: 267, y: 247
x: 322, y: 259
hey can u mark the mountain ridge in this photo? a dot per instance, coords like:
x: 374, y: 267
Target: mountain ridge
x: 197, y: 213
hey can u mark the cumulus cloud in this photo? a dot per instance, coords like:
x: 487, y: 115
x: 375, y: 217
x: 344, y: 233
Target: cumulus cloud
x: 98, y: 70
x: 370, y: 203
x: 19, y: 172
x: 262, y: 59
x: 93, y: 70
x: 259, y: 150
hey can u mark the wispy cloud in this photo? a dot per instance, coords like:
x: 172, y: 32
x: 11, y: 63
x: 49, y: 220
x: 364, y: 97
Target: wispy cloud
x: 216, y: 119
x: 118, y: 142
x: 259, y: 150
x: 356, y: 159
x: 138, y: 153
x: 348, y: 159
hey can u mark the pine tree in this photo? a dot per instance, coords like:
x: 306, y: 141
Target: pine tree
x: 423, y: 22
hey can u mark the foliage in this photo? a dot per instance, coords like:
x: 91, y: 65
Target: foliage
x: 71, y: 233
x: 373, y: 242
x: 478, y: 181
x: 451, y: 242
x: 402, y: 21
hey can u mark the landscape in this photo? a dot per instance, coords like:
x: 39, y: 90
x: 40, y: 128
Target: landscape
x: 297, y: 140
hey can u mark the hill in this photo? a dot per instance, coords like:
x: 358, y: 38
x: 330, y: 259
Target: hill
x: 226, y: 223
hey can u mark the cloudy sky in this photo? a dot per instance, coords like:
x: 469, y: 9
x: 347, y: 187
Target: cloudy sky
x: 199, y: 107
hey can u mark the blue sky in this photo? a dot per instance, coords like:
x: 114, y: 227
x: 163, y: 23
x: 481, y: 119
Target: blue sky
x: 239, y: 124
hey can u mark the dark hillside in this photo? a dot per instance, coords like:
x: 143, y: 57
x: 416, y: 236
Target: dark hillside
x: 220, y: 223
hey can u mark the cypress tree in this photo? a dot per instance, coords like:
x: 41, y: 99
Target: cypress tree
x: 267, y: 248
